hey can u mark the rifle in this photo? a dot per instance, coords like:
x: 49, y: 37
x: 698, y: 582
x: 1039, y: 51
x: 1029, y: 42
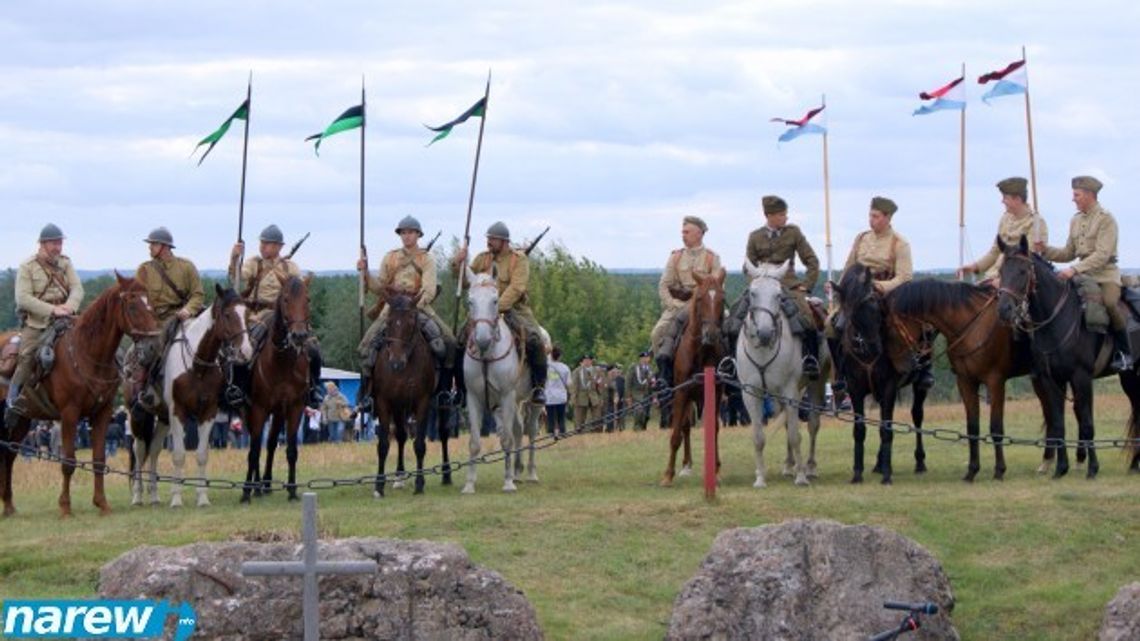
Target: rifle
x: 534, y: 243
x: 432, y: 241
x: 297, y: 245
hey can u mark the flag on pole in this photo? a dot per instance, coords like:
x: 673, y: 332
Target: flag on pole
x: 951, y: 96
x: 1010, y: 81
x: 797, y: 128
x: 478, y: 110
x: 352, y: 118
x: 242, y: 113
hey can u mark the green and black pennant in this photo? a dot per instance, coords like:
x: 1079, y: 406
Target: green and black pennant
x: 479, y: 109
x: 352, y: 118
x: 242, y: 113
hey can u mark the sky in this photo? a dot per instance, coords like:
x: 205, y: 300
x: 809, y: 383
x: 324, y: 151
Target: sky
x: 608, y: 121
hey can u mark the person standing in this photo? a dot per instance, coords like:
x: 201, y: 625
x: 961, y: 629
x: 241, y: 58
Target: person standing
x: 557, y: 393
x: 585, y: 394
x: 639, y: 383
x: 334, y: 410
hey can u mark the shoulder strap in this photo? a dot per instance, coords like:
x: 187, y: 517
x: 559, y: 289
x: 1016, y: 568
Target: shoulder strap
x: 252, y: 286
x: 183, y: 297
x: 54, y: 276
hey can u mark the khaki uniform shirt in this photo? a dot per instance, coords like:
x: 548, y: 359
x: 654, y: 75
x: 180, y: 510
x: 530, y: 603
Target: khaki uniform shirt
x: 1092, y: 242
x: 1010, y: 230
x: 679, y: 271
x: 41, y: 284
x: 788, y: 243
x: 638, y: 380
x: 163, y: 299
x: 410, y: 271
x: 585, y: 388
x: 513, y: 267
x: 262, y: 279
x: 887, y: 255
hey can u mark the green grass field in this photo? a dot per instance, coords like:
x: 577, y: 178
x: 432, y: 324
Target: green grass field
x: 601, y: 550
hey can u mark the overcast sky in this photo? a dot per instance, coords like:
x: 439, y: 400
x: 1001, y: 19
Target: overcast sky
x: 608, y: 121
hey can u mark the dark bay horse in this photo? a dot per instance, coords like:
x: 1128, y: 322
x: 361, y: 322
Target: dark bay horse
x: 700, y: 346
x: 83, y: 382
x: 981, y: 348
x: 280, y: 386
x: 1065, y: 351
x: 403, y: 383
x: 874, y: 359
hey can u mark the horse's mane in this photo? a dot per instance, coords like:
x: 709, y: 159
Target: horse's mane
x: 855, y: 284
x: 92, y: 323
x: 931, y: 295
x: 229, y: 297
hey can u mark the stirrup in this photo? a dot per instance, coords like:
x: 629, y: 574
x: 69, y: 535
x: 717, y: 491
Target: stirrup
x: 538, y: 396
x: 811, y: 368
x: 1122, y: 362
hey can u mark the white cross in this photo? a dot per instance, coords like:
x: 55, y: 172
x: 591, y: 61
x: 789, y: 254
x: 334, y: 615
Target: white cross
x: 308, y: 567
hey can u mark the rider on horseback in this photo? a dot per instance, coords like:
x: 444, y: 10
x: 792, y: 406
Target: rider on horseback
x: 512, y: 269
x: 675, y: 289
x: 1092, y: 242
x: 410, y: 269
x: 1018, y: 220
x: 261, y: 280
x: 47, y: 287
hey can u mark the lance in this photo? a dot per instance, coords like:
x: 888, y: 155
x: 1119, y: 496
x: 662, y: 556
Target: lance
x: 471, y: 201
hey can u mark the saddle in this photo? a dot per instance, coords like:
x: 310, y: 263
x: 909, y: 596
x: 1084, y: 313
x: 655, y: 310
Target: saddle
x: 818, y: 312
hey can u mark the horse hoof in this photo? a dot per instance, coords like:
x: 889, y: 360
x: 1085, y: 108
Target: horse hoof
x: 1091, y: 473
x: 920, y: 468
x: 685, y: 471
x: 886, y: 481
x: 293, y: 497
x: 1043, y: 468
x: 376, y: 494
x: 759, y: 484
x: 857, y: 479
x: 447, y: 479
x: 136, y: 500
x: 802, y: 481
x: 244, y: 499
x: 999, y: 475
x: 532, y: 477
x: 104, y: 510
x: 397, y: 485
x: 509, y: 487
x: 9, y: 511
x: 203, y: 502
x: 788, y: 471
x: 176, y: 500
x: 468, y: 489
x: 667, y: 481
x: 419, y: 489
x: 1060, y: 472
x: 812, y: 472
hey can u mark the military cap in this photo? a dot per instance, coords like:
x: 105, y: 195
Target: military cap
x: 773, y: 205
x: 162, y: 236
x: 1087, y: 183
x: 1015, y: 186
x: 644, y: 354
x: 499, y: 230
x: 409, y: 222
x: 51, y: 232
x: 885, y: 205
x: 693, y: 220
x: 272, y: 234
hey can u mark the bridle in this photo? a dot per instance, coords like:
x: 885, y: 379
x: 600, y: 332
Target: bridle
x: 128, y: 308
x: 1022, y: 319
x: 753, y: 337
x: 496, y: 333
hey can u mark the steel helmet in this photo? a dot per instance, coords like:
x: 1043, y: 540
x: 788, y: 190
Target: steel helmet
x: 409, y: 222
x: 51, y: 232
x: 162, y: 236
x: 272, y: 234
x: 499, y: 230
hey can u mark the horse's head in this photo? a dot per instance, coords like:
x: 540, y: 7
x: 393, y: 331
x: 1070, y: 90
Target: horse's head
x: 228, y: 314
x: 862, y: 309
x: 1018, y: 282
x: 483, y: 310
x: 708, y: 306
x: 401, y: 331
x: 136, y: 317
x: 291, y: 313
x: 764, y: 293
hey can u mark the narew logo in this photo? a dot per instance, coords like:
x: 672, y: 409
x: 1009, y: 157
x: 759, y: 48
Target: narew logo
x: 96, y: 619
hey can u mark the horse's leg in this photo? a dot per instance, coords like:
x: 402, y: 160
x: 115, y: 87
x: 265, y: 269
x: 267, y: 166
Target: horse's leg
x: 1130, y: 383
x: 99, y: 458
x: 443, y: 422
x: 420, y: 444
x: 886, y: 433
x: 400, y: 419
x: 687, y: 433
x: 68, y: 420
x: 1055, y: 426
x: 203, y: 455
x: 508, y: 414
x: 755, y: 411
x: 816, y: 396
x: 792, y: 425
x: 292, y: 451
x: 8, y: 460
x: 968, y: 390
x: 383, y: 444
x: 137, y: 458
x: 996, y: 387
x: 178, y: 456
x: 255, y: 423
x: 475, y: 425
x: 276, y: 424
x: 532, y: 429
x: 680, y: 400
x: 917, y: 414
x: 1083, y: 406
x: 859, y: 432
x: 517, y: 429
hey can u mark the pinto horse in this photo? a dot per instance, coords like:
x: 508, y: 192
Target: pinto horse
x: 403, y: 380
x: 83, y: 383
x: 279, y: 388
x: 874, y: 359
x: 194, y: 376
x: 700, y: 347
x: 1065, y: 351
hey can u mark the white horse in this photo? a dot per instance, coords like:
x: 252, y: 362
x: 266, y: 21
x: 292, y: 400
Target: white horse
x: 497, y: 379
x: 194, y: 376
x: 769, y: 357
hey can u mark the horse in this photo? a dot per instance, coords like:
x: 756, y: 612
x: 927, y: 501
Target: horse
x: 280, y: 385
x: 1065, y: 352
x: 980, y: 346
x: 701, y: 346
x: 403, y: 380
x: 497, y: 378
x: 874, y: 359
x: 83, y: 382
x: 194, y: 375
x: 769, y: 358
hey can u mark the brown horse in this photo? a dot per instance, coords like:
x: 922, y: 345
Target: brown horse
x: 83, y: 383
x: 700, y: 347
x: 280, y: 387
x: 403, y: 380
x: 8, y: 359
x: 981, y: 348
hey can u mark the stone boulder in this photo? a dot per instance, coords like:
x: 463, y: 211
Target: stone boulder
x: 809, y: 579
x: 422, y: 590
x: 1122, y: 616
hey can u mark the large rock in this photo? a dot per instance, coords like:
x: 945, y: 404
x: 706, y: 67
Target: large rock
x: 805, y: 579
x: 1122, y: 616
x: 422, y: 590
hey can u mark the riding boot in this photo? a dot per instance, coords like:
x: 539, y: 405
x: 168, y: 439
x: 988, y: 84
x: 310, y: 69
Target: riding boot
x: 315, y: 362
x: 364, y: 392
x: 536, y: 360
x: 665, y: 370
x: 838, y: 384
x: 810, y: 346
x: 1121, y: 351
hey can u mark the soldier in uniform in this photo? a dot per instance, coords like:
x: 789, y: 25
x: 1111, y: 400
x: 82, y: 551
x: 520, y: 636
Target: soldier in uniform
x: 410, y: 269
x: 1092, y: 243
x: 513, y: 269
x: 776, y: 243
x: 676, y: 287
x: 174, y: 291
x: 47, y: 287
x: 262, y: 278
x: 1018, y: 220
x: 585, y: 391
x: 639, y: 382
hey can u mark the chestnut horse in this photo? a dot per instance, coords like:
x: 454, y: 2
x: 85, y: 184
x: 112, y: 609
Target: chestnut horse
x: 403, y: 381
x: 700, y: 347
x: 280, y: 387
x: 83, y: 383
